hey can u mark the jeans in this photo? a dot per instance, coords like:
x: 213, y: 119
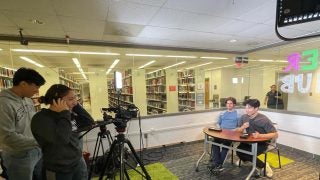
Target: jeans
x: 78, y: 173
x: 219, y: 156
x: 262, y: 147
x: 21, y: 165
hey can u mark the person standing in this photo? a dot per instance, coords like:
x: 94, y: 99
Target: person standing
x: 20, y: 151
x: 228, y: 119
x: 260, y: 126
x: 55, y: 129
x: 273, y: 99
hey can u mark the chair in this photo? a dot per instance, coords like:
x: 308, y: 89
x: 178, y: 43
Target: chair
x: 271, y: 146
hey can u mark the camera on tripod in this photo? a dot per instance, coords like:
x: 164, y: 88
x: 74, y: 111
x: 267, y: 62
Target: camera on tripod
x: 122, y: 115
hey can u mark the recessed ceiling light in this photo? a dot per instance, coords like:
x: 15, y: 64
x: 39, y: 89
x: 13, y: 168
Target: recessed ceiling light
x: 233, y: 40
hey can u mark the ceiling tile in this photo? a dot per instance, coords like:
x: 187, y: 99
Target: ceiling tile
x: 234, y: 27
x: 93, y: 9
x: 149, y: 2
x: 127, y: 12
x: 172, y: 18
x: 122, y: 29
x: 30, y: 6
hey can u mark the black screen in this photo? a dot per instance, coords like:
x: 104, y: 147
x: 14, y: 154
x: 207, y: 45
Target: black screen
x: 297, y: 11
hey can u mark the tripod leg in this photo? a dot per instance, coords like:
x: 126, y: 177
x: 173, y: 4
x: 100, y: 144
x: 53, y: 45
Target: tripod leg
x: 138, y: 160
x: 108, y: 160
x: 121, y: 161
x: 94, y: 157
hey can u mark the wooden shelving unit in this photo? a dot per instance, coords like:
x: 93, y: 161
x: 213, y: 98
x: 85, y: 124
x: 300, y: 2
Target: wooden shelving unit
x: 131, y: 92
x: 159, y: 99
x: 6, y: 76
x: 70, y: 82
x: 186, y: 90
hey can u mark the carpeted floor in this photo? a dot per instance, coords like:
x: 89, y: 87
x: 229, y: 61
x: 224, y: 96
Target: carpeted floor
x: 181, y: 159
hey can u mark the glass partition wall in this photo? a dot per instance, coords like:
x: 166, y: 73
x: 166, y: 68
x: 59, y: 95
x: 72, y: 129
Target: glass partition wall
x: 164, y: 81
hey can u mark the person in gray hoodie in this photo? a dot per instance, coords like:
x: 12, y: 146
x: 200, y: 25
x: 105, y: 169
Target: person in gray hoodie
x: 20, y: 151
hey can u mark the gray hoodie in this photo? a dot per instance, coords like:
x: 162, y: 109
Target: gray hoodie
x: 15, y: 119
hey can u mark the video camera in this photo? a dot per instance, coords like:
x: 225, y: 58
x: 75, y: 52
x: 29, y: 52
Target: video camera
x: 123, y: 114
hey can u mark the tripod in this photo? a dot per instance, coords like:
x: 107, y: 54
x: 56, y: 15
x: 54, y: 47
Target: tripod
x: 104, y: 133
x: 117, y: 150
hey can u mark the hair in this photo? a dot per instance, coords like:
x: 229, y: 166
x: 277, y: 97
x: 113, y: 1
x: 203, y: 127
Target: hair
x: 253, y: 103
x: 273, y: 85
x: 55, y: 92
x: 234, y: 101
x: 28, y: 75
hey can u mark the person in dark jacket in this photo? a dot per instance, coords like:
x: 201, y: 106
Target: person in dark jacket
x: 55, y: 129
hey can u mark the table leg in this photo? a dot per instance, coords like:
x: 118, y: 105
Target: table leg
x: 254, y: 159
x: 204, y: 152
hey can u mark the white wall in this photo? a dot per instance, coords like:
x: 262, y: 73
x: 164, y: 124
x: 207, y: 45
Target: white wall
x: 296, y: 131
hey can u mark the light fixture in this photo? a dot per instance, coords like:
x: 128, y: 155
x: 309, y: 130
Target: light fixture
x: 115, y: 62
x: 145, y: 55
x: 1, y: 49
x: 36, y: 21
x: 199, y: 65
x: 31, y: 61
x: 64, y: 52
x: 177, y: 64
x: 173, y: 56
x: 233, y: 40
x: 147, y: 64
x: 209, y: 57
x: 76, y: 62
x: 84, y: 73
x: 154, y: 71
x: 265, y: 60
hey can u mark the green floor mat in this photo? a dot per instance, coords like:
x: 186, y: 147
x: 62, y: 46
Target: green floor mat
x: 157, y: 171
x: 272, y: 159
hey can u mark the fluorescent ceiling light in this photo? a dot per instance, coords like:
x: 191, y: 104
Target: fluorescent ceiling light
x: 108, y: 71
x: 145, y: 55
x: 115, y: 62
x: 63, y: 52
x: 1, y: 49
x: 154, y: 71
x: 76, y: 62
x: 209, y: 57
x: 233, y: 40
x: 147, y: 64
x: 199, y: 65
x: 265, y: 60
x: 31, y: 61
x: 172, y: 56
x: 174, y: 65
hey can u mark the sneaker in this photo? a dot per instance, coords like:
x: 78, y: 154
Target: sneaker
x: 258, y: 172
x: 219, y: 168
x: 245, y: 163
x: 269, y: 172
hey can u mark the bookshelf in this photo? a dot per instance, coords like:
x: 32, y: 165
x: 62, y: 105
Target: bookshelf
x: 131, y: 92
x: 186, y: 90
x: 69, y: 81
x: 161, y: 92
x: 6, y: 76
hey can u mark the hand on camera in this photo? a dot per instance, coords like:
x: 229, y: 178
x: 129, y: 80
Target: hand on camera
x: 59, y: 105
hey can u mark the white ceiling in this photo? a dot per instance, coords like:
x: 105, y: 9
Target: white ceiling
x: 193, y: 24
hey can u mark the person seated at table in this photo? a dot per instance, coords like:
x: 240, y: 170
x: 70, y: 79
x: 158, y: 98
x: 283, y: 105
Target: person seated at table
x: 260, y: 126
x: 228, y: 119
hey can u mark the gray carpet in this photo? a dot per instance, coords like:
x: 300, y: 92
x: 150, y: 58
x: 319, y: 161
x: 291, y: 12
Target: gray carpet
x: 181, y: 160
